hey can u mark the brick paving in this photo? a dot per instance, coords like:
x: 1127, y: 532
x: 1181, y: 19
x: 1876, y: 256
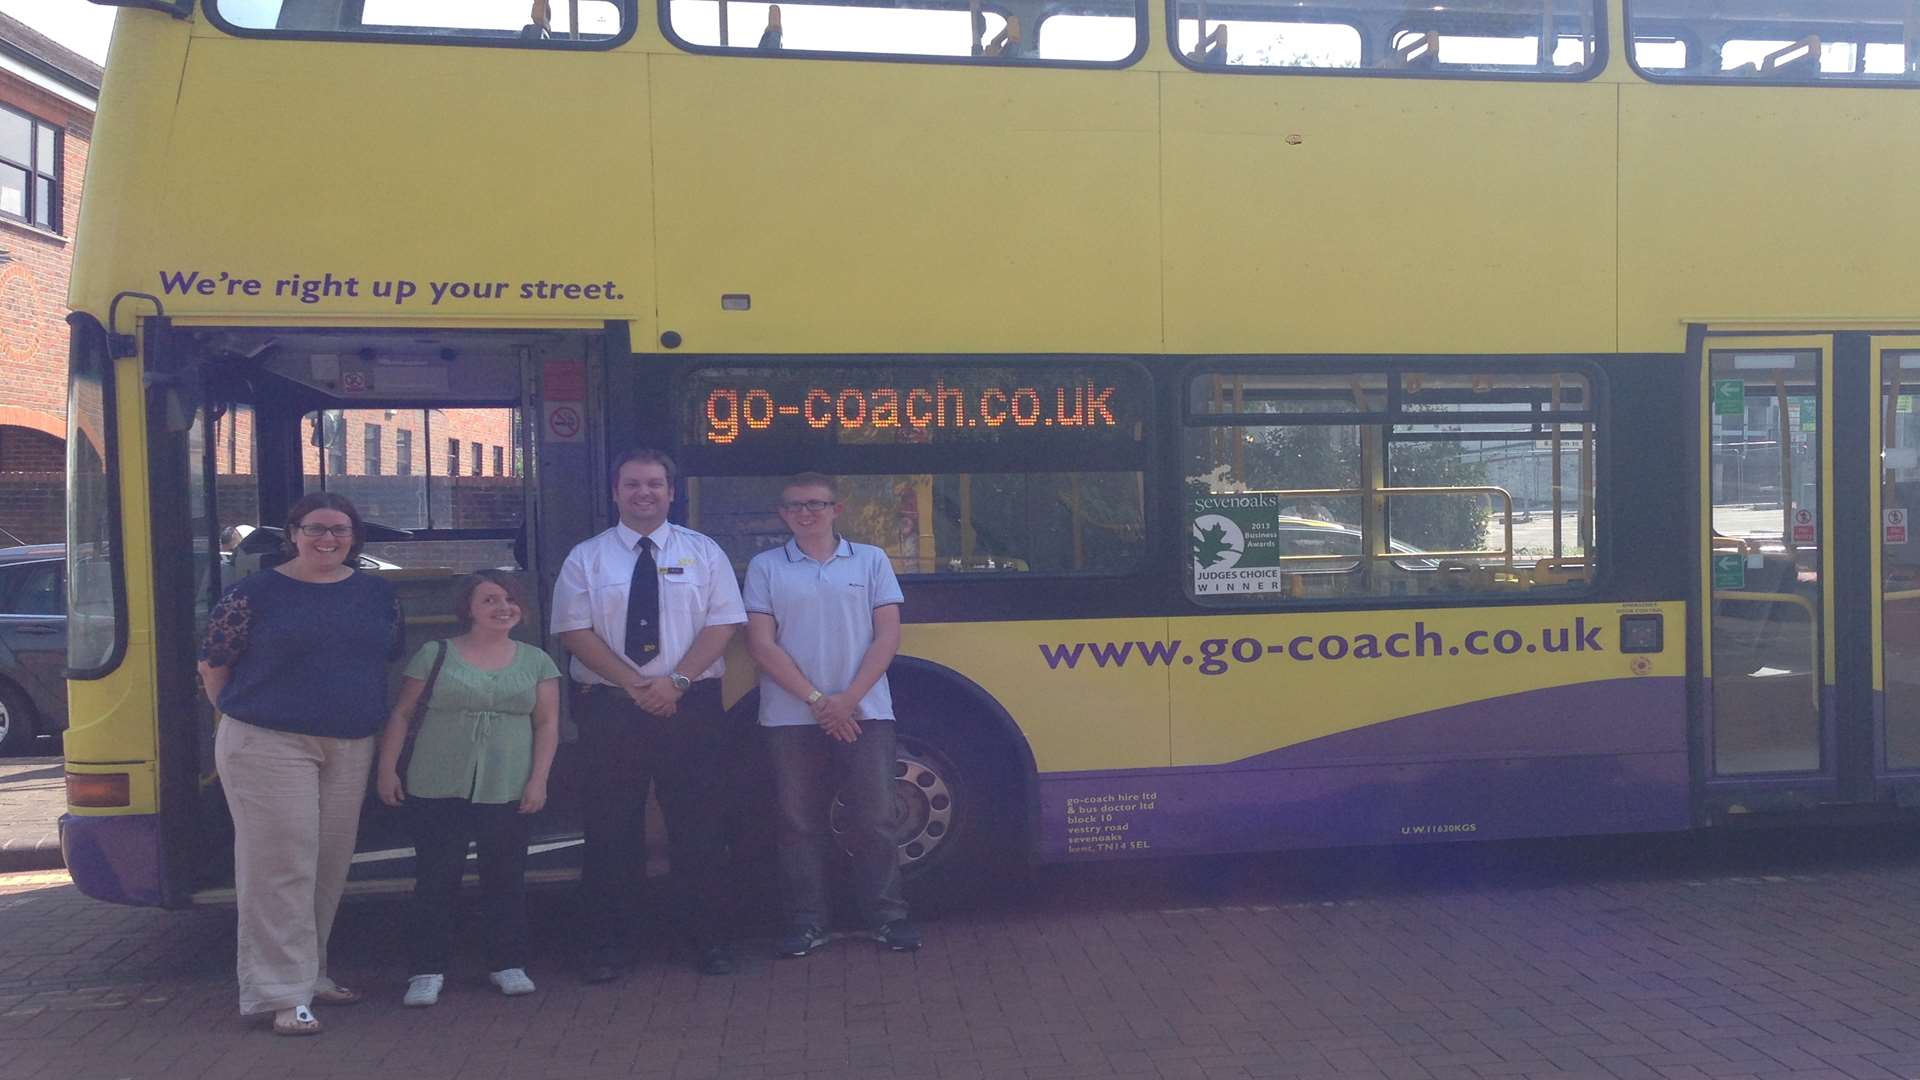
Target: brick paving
x: 1654, y: 959
x: 32, y: 797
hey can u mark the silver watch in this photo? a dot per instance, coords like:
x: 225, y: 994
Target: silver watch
x: 680, y: 682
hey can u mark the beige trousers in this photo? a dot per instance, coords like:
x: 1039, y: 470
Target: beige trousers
x: 295, y: 801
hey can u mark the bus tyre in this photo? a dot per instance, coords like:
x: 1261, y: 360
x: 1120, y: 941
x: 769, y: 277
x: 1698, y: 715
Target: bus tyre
x: 16, y: 720
x: 952, y: 814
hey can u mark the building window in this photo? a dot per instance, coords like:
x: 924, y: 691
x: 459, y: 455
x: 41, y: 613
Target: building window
x: 478, y: 470
x: 372, y: 449
x: 403, y: 453
x: 29, y: 170
x: 453, y: 457
x: 499, y: 461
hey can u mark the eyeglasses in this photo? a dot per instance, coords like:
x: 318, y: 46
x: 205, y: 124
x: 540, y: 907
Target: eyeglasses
x: 814, y: 506
x: 315, y: 532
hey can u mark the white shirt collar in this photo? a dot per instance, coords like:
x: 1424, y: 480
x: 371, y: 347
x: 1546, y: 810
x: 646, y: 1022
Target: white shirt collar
x: 629, y: 539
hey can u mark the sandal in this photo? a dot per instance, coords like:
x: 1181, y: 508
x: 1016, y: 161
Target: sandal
x: 298, y: 1020
x: 335, y: 994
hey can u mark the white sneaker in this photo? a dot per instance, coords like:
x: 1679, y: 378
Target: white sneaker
x: 512, y: 981
x: 423, y: 990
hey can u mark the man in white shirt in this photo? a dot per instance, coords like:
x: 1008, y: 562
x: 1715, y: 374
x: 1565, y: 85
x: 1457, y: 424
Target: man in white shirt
x: 823, y: 623
x: 646, y: 609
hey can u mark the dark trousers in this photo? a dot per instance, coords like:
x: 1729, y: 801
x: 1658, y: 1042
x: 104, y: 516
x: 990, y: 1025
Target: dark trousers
x: 441, y: 830
x: 624, y: 749
x: 806, y: 762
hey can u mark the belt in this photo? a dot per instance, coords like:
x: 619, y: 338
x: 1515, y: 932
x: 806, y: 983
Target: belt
x: 607, y: 688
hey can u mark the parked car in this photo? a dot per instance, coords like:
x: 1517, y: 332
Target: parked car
x: 33, y: 644
x: 33, y: 633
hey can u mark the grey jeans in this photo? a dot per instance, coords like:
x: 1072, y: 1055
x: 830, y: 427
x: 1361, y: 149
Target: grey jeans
x: 806, y: 761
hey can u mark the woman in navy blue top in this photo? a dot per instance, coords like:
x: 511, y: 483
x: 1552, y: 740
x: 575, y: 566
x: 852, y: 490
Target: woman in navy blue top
x: 295, y: 659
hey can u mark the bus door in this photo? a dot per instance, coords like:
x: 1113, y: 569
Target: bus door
x: 1807, y: 580
x: 437, y: 437
x: 1894, y: 452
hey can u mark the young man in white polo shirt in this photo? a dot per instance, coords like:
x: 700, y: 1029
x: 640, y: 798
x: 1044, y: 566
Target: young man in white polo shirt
x: 823, y: 623
x: 646, y: 608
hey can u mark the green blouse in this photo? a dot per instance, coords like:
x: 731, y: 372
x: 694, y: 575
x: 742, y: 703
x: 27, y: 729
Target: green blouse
x: 476, y: 742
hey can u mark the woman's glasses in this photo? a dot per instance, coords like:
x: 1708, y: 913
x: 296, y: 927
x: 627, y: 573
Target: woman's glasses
x: 315, y: 532
x: 814, y: 506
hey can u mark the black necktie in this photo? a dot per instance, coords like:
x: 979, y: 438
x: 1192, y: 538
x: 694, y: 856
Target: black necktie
x: 643, y: 606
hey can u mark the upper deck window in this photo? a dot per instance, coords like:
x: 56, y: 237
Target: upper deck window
x: 29, y: 170
x: 1094, y: 31
x: 1475, y: 38
x: 530, y: 23
x: 1799, y: 41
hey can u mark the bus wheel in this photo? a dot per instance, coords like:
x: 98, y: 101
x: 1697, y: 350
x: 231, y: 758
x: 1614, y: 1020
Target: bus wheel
x: 949, y: 817
x: 16, y: 719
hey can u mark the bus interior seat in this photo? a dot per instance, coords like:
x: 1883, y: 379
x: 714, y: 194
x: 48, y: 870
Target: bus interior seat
x: 539, y: 22
x: 1211, y: 49
x: 1561, y: 571
x: 1800, y: 60
x: 1006, y: 42
x: 1418, y: 51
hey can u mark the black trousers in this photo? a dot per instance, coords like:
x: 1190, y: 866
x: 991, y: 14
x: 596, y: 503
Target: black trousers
x: 441, y: 831
x: 623, y: 749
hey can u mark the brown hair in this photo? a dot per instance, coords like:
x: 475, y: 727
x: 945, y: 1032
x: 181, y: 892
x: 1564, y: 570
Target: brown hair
x: 644, y: 455
x: 326, y: 500
x: 813, y: 479
x: 465, y: 588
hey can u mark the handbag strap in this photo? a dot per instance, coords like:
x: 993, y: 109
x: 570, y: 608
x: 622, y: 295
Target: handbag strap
x: 426, y: 695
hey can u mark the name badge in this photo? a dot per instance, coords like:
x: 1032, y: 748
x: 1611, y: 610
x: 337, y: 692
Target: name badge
x: 673, y: 569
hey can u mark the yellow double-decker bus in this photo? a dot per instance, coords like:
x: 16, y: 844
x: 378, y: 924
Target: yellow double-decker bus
x: 1294, y: 423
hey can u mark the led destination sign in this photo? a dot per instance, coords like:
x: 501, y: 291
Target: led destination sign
x: 918, y: 403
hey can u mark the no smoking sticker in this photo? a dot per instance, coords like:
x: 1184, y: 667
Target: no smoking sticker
x: 1803, y: 527
x: 1893, y: 525
x: 563, y: 423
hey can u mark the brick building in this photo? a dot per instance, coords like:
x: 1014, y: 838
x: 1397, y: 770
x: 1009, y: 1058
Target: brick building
x: 48, y: 94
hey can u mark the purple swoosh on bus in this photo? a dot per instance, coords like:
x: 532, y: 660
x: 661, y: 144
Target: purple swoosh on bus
x: 1599, y: 757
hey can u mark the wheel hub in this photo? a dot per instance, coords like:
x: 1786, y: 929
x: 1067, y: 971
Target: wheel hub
x: 922, y: 807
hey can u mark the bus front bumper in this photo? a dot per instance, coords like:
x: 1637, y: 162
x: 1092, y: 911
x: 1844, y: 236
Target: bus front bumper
x: 114, y: 857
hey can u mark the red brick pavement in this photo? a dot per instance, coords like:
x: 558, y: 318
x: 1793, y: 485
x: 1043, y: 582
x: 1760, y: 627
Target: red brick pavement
x: 1805, y: 973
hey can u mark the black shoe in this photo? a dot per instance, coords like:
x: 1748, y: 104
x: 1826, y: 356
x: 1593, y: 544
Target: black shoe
x: 898, y: 935
x: 715, y: 960
x: 800, y: 941
x: 602, y: 967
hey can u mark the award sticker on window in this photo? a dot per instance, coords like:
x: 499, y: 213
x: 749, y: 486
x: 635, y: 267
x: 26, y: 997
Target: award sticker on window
x: 1235, y: 541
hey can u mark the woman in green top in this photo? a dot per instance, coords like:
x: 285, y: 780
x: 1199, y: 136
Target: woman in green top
x: 479, y: 767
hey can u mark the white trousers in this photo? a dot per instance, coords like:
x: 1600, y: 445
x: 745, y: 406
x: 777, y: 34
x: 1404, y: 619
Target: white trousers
x: 295, y: 801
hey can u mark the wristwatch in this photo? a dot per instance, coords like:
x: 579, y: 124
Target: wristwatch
x: 680, y: 682
x: 815, y: 696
